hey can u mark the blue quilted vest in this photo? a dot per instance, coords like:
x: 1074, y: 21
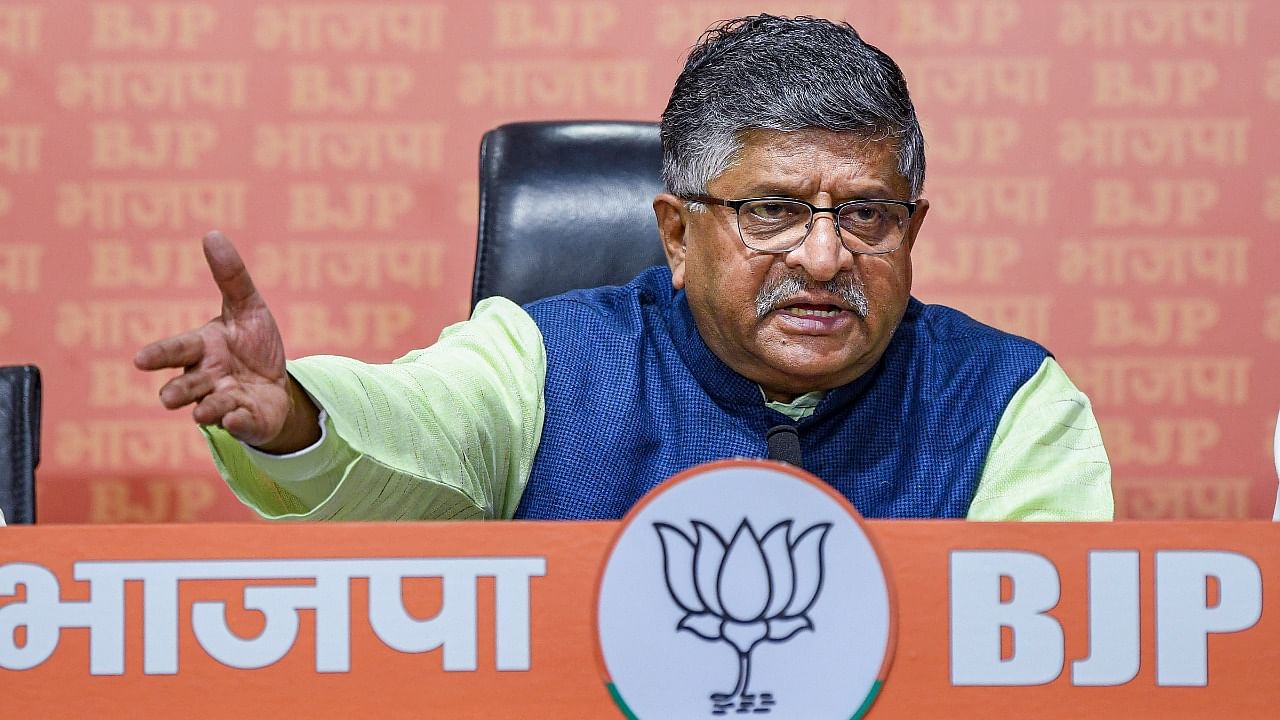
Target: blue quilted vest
x: 633, y: 396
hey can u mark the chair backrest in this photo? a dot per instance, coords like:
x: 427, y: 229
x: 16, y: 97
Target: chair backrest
x: 566, y: 205
x: 19, y: 441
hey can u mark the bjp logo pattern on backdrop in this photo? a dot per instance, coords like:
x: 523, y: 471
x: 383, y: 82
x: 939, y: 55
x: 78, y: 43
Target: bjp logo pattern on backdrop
x: 1101, y: 173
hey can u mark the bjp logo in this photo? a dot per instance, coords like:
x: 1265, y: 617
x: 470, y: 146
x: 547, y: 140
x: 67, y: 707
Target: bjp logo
x: 750, y: 590
x: 745, y: 565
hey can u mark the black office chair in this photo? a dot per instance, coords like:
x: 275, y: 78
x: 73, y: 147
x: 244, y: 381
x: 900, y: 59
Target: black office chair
x: 19, y: 442
x: 566, y: 205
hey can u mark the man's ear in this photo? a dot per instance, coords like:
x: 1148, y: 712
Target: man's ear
x: 672, y: 218
x: 917, y: 219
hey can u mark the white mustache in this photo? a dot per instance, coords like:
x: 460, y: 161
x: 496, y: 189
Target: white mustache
x: 774, y: 293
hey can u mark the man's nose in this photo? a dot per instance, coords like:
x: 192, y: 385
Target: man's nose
x: 822, y: 255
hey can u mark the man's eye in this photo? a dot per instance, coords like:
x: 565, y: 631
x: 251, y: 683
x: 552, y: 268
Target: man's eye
x: 772, y: 211
x: 865, y: 217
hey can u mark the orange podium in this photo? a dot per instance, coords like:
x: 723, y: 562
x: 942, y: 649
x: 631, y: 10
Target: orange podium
x: 149, y: 621
x: 736, y: 588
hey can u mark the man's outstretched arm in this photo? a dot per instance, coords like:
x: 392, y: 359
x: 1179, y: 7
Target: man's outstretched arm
x: 449, y: 432
x: 446, y: 432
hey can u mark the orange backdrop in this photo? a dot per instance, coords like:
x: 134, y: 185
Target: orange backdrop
x: 1103, y: 175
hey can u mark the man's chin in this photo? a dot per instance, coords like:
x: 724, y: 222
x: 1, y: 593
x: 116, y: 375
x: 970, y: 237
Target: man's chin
x: 797, y: 376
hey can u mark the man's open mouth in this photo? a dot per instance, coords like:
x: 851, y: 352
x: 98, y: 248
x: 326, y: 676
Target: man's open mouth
x: 812, y: 310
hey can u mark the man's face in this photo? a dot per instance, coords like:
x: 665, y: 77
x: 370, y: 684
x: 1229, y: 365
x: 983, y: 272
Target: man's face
x: 789, y: 349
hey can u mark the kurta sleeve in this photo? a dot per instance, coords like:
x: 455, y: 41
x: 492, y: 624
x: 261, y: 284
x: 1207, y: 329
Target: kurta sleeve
x: 1046, y: 461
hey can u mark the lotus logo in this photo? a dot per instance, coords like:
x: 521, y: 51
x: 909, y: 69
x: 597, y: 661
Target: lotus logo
x: 749, y: 590
x: 715, y: 601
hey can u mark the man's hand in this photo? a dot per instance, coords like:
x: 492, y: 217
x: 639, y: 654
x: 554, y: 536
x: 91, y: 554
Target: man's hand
x: 234, y: 365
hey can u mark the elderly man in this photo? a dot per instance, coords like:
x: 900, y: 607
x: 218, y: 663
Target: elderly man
x: 794, y: 165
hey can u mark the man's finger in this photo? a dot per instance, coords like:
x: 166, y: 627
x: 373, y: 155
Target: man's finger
x: 211, y: 409
x: 239, y: 422
x: 175, y: 352
x: 228, y: 271
x: 185, y: 389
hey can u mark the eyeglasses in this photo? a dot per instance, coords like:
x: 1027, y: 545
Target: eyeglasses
x: 781, y: 224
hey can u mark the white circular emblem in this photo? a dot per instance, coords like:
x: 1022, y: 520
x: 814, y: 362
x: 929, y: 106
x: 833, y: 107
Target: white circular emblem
x: 744, y: 587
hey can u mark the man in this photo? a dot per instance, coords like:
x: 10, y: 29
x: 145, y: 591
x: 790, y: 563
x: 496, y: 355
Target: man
x: 794, y: 165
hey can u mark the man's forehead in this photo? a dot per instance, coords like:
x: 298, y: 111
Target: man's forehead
x: 787, y: 159
x: 863, y: 147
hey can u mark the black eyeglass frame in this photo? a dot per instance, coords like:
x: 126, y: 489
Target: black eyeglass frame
x: 736, y: 205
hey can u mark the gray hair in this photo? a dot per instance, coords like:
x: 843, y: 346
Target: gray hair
x: 774, y: 73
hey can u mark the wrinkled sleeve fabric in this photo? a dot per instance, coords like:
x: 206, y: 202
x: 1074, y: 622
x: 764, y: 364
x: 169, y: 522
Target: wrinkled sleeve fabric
x: 448, y: 432
x: 1047, y: 460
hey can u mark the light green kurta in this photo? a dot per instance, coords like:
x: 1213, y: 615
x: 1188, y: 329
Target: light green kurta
x: 450, y: 432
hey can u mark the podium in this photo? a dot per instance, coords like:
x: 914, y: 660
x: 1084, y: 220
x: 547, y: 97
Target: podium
x: 256, y: 620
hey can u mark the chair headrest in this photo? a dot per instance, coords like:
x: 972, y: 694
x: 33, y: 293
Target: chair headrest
x: 566, y: 205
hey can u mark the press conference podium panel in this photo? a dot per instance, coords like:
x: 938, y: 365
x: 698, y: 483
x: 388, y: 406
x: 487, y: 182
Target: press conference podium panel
x: 266, y: 620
